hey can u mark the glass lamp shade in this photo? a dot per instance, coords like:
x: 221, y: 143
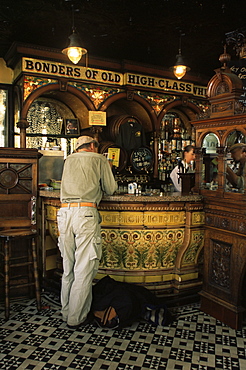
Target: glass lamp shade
x: 179, y: 69
x: 74, y: 51
x: 74, y: 54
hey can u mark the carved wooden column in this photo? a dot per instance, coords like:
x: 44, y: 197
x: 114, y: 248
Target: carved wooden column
x: 221, y: 168
x: 22, y: 125
x: 198, y: 176
x: 155, y: 170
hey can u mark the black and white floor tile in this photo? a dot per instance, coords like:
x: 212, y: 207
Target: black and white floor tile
x: 41, y: 340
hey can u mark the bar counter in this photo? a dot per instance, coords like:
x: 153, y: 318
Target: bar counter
x: 154, y: 241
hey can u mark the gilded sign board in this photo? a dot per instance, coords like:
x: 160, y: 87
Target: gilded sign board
x: 85, y: 74
x: 164, y: 84
x: 45, y: 67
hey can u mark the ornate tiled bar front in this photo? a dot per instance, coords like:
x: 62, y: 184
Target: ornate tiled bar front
x: 153, y: 241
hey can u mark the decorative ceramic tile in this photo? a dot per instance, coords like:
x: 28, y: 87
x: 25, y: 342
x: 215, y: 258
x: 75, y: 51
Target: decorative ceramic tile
x: 41, y: 340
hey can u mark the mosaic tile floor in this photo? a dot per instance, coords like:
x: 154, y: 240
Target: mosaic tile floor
x: 41, y: 340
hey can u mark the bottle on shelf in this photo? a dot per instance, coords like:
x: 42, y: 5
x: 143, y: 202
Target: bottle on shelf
x: 160, y: 170
x: 164, y: 172
x: 125, y: 186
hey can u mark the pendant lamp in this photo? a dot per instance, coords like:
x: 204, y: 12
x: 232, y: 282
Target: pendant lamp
x: 180, y: 68
x: 75, y: 50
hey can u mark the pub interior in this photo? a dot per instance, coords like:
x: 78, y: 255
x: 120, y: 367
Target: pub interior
x: 188, y: 248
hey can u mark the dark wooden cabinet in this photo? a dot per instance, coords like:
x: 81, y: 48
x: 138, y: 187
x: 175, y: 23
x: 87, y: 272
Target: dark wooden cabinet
x: 222, y: 295
x: 18, y: 185
x: 18, y: 204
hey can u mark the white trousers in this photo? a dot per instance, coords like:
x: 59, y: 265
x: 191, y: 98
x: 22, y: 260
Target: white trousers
x: 79, y: 242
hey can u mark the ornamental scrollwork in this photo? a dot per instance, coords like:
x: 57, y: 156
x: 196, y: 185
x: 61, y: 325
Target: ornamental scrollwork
x: 220, y: 274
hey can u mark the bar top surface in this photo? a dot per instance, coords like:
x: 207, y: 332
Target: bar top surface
x: 173, y: 197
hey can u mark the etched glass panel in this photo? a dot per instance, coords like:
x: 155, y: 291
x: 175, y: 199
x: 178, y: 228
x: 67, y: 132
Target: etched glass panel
x: 235, y: 162
x: 210, y: 162
x: 43, y: 119
x: 3, y: 107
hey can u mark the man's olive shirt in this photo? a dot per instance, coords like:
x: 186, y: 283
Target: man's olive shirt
x: 86, y: 175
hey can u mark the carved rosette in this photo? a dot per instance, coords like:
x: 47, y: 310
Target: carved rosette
x: 15, y: 178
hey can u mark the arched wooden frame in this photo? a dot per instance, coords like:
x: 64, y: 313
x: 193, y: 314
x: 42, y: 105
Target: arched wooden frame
x: 208, y: 133
x: 233, y: 83
x: 150, y: 111
x: 201, y: 136
x: 61, y: 87
x: 178, y: 104
x: 229, y: 132
x: 55, y: 87
x: 222, y: 134
x: 134, y: 97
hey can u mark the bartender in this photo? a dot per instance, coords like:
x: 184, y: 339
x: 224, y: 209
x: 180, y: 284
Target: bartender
x: 184, y: 166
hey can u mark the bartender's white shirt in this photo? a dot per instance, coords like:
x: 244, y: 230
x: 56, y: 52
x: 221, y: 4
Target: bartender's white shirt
x: 174, y: 175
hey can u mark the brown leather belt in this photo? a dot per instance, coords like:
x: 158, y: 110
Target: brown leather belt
x: 82, y: 204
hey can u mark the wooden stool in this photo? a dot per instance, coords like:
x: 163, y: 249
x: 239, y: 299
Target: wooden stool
x: 11, y: 262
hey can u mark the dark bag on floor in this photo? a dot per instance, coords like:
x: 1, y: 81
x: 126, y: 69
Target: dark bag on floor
x: 107, y: 318
x: 117, y: 305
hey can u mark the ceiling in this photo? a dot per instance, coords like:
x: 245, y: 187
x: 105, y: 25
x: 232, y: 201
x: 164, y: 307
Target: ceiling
x: 145, y: 31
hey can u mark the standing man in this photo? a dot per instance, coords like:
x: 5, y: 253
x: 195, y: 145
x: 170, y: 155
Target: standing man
x: 86, y: 175
x: 184, y: 167
x: 238, y: 154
